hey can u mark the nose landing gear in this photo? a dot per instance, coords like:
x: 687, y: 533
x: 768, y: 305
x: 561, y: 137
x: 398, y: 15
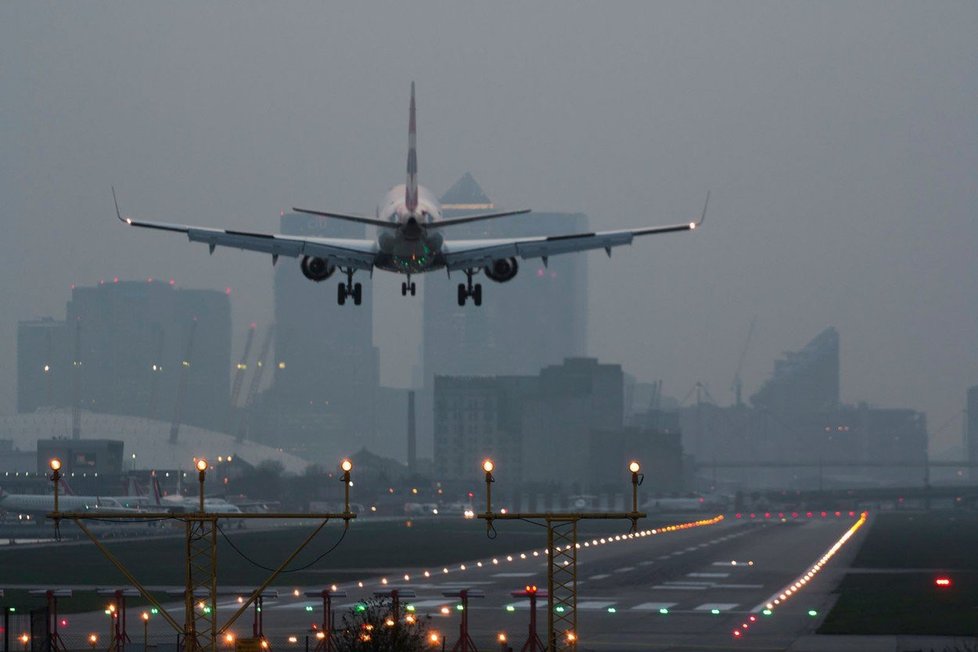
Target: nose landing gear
x: 467, y: 289
x: 408, y: 287
x: 349, y: 289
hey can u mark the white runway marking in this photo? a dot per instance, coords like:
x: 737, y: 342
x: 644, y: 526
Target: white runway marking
x: 739, y: 586
x: 707, y: 574
x: 645, y: 563
x: 719, y: 606
x: 599, y: 577
x: 653, y: 606
x: 595, y: 604
x: 684, y: 587
x: 513, y: 574
x: 421, y: 604
x: 624, y: 569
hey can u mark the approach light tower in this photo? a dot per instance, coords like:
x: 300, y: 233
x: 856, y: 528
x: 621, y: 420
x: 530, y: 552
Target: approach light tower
x: 200, y: 630
x: 562, y: 548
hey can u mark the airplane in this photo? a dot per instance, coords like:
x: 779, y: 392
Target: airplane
x: 40, y: 504
x: 410, y: 240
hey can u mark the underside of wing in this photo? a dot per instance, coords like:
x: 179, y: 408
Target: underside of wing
x: 357, y: 254
x: 467, y: 254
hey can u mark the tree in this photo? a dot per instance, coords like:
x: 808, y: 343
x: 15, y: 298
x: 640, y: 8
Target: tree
x: 370, y: 627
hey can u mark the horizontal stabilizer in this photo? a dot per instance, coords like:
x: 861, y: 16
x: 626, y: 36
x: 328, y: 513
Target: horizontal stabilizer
x: 465, y: 219
x: 350, y: 218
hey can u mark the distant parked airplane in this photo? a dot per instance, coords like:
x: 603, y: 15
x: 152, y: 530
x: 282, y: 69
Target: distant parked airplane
x: 410, y: 241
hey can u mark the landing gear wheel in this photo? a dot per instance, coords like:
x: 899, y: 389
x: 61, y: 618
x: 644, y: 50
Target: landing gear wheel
x: 462, y: 294
x: 413, y: 288
x: 357, y: 294
x: 341, y: 294
x: 477, y: 294
x: 404, y: 289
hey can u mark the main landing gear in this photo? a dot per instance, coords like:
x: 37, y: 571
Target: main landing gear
x: 467, y: 289
x: 408, y: 286
x: 349, y: 289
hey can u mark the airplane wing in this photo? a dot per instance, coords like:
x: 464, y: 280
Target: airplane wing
x: 468, y: 254
x: 359, y: 254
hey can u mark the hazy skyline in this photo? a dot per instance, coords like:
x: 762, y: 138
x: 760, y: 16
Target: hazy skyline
x: 840, y: 142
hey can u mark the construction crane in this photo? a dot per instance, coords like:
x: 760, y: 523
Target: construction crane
x: 182, y: 386
x: 239, y: 371
x: 255, y: 385
x: 156, y: 368
x: 736, y: 385
x: 76, y: 384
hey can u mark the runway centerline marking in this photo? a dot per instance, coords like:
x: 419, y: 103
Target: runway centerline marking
x: 719, y: 606
x: 653, y: 606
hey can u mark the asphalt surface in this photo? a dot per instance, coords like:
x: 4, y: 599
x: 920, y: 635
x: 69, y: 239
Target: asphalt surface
x: 687, y: 589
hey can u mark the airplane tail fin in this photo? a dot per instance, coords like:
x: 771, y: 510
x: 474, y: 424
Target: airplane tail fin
x: 411, y: 187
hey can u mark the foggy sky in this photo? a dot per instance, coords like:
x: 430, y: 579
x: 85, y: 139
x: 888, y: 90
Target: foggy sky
x: 840, y: 142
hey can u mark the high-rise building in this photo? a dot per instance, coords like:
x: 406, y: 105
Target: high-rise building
x: 326, y: 368
x: 537, y: 319
x: 560, y: 428
x: 971, y: 430
x: 125, y: 347
x: 799, y: 433
x: 806, y: 381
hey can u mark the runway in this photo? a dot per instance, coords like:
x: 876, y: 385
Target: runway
x: 688, y: 589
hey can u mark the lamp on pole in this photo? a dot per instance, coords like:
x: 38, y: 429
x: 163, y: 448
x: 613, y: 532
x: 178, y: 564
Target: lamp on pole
x: 55, y: 465
x: 637, y: 479
x: 347, y: 466
x: 201, y: 476
x: 145, y: 630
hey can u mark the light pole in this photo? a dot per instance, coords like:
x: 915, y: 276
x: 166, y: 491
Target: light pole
x: 201, y: 476
x: 93, y: 639
x: 145, y: 631
x: 637, y: 479
x: 347, y: 466
x: 55, y: 465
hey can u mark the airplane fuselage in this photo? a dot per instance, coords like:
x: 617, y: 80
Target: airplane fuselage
x: 415, y: 246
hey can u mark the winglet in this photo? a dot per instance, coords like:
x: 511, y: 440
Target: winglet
x: 693, y: 225
x: 126, y: 220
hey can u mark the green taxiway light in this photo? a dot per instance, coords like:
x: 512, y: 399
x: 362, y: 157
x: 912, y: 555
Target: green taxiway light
x: 812, y: 612
x: 559, y: 609
x: 308, y: 607
x: 410, y: 607
x: 154, y: 611
x: 460, y: 607
x: 715, y: 611
x: 510, y: 608
x: 664, y: 611
x: 12, y: 609
x: 767, y: 612
x: 612, y: 610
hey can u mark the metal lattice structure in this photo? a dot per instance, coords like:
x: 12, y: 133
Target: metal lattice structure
x: 562, y: 582
x: 199, y: 630
x: 562, y: 550
x: 200, y: 594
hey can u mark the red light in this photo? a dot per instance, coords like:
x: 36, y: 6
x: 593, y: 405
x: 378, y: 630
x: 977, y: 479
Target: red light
x: 172, y: 282
x: 115, y: 279
x: 227, y: 291
x: 736, y: 632
x: 943, y: 582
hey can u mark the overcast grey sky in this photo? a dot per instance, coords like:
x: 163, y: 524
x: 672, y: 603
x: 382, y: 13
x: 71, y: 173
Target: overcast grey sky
x: 840, y: 141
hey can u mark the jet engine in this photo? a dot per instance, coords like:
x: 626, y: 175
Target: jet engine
x: 317, y: 269
x: 502, y: 270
